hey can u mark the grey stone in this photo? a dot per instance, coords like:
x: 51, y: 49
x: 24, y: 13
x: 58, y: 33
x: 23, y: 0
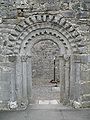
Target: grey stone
x: 44, y: 30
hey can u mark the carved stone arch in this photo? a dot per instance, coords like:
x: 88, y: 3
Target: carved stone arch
x: 56, y: 22
x: 39, y: 35
x: 34, y: 29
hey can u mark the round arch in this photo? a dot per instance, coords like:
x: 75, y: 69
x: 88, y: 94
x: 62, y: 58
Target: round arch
x: 39, y: 35
x: 31, y: 31
x: 56, y: 23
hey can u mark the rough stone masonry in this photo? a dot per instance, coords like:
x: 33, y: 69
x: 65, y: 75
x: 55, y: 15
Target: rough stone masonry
x: 32, y: 34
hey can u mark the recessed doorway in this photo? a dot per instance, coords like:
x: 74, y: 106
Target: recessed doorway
x: 45, y: 73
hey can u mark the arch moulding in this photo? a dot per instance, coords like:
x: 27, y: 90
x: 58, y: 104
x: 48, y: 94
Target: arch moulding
x: 41, y: 24
x: 31, y: 31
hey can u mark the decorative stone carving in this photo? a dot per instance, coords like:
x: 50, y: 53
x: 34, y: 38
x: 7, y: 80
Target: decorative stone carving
x: 24, y: 58
x: 12, y: 104
x: 37, y: 26
x: 58, y: 19
x: 12, y: 58
x: 77, y: 58
x: 66, y: 57
x: 64, y: 6
x: 0, y: 20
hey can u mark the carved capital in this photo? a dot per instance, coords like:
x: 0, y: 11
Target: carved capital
x: 77, y: 58
x: 24, y: 58
x: 66, y: 57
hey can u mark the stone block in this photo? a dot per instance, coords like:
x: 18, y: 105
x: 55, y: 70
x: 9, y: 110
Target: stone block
x: 4, y: 96
x: 68, y: 14
x: 8, y: 52
x: 1, y: 58
x: 85, y: 97
x: 12, y: 38
x: 14, y: 33
x: 89, y: 58
x: 86, y: 104
x: 4, y: 86
x: 62, y: 21
x: 18, y: 28
x: 13, y: 105
x: 77, y: 104
x: 33, y: 19
x: 12, y: 58
x: 44, y: 17
x: 0, y: 49
x: 85, y: 87
x: 84, y: 58
x: 4, y: 106
x: 0, y: 20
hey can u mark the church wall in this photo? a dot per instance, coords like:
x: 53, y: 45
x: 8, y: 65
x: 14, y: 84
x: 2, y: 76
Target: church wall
x: 11, y: 14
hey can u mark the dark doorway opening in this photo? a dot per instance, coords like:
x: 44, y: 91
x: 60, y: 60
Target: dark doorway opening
x: 45, y: 69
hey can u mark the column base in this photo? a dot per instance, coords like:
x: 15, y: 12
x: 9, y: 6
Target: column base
x: 13, y: 106
x: 4, y: 106
x: 85, y: 104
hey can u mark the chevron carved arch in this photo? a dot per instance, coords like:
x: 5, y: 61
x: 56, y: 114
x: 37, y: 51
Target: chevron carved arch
x: 54, y: 25
x: 46, y: 34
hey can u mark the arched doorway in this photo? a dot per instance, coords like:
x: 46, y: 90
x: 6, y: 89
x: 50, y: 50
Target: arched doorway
x: 45, y: 73
x: 32, y: 31
x: 64, y: 55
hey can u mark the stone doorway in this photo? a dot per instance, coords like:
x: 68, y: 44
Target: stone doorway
x: 32, y: 30
x: 43, y: 73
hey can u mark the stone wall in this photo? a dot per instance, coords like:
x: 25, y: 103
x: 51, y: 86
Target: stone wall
x: 43, y: 54
x: 75, y: 12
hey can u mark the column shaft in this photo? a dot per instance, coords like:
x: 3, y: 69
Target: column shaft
x: 29, y: 78
x: 62, y: 79
x: 77, y: 82
x: 67, y: 81
x: 13, y: 83
x: 72, y: 77
x: 19, y: 83
x: 24, y: 80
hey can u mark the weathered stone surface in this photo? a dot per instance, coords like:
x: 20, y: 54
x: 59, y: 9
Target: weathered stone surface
x: 43, y: 57
x: 44, y: 30
x: 85, y: 87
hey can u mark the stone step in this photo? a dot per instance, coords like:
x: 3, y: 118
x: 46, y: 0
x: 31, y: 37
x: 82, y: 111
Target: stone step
x: 50, y: 107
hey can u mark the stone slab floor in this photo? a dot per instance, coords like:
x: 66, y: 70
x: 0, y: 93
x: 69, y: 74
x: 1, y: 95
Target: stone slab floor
x: 44, y: 92
x: 46, y: 114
